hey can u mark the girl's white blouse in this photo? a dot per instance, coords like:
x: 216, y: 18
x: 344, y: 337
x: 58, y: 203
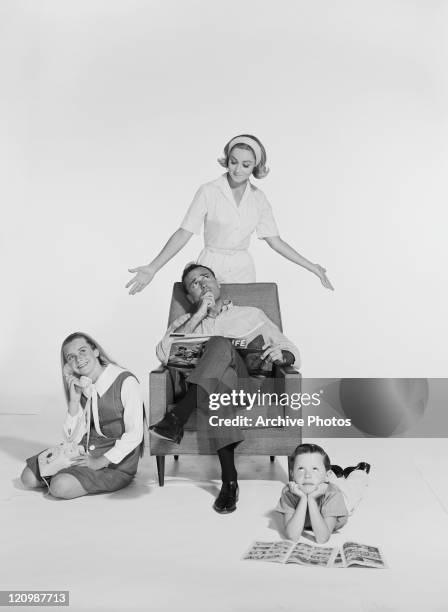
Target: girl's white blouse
x: 133, y: 414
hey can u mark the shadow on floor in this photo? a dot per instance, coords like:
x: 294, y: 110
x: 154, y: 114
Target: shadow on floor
x: 22, y: 449
x: 210, y: 488
x: 276, y: 523
x: 206, y: 467
x: 136, y: 489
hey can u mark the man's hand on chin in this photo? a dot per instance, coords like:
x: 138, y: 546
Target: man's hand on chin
x: 206, y: 302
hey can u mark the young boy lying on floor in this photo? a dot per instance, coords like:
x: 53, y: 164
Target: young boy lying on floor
x: 311, y: 501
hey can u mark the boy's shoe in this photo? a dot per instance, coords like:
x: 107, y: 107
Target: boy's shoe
x: 225, y: 503
x: 361, y: 466
x: 169, y: 428
x: 337, y: 471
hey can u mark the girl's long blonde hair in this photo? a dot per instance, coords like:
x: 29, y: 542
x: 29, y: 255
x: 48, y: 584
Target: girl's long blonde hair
x: 103, y: 357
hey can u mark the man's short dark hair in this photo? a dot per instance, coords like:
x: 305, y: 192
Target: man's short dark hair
x: 191, y: 267
x: 307, y: 449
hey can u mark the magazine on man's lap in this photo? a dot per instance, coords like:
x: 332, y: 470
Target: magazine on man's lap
x: 187, y: 349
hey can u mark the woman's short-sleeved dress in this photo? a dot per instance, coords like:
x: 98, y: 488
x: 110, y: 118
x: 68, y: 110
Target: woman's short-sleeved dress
x: 228, y: 228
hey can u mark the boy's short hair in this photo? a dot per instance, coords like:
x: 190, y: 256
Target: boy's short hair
x: 189, y: 268
x: 307, y: 449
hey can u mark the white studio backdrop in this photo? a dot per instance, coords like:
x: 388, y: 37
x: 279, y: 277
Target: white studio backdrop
x: 114, y: 113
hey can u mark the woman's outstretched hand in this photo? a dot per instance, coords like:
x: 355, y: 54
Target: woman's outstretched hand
x: 143, y: 276
x: 284, y: 249
x: 320, y: 272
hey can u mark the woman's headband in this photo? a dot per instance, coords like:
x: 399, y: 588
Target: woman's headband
x: 250, y: 142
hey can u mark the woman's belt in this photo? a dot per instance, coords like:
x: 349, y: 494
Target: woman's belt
x: 220, y: 251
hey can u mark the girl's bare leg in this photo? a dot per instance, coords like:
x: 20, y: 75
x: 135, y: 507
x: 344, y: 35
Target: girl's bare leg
x: 29, y: 480
x: 66, y: 486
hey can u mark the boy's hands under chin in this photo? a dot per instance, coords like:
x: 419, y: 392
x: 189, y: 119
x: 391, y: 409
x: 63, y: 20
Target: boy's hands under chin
x: 295, y: 488
x: 319, y: 491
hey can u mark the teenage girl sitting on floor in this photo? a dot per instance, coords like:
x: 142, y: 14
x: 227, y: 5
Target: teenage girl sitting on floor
x: 104, y: 423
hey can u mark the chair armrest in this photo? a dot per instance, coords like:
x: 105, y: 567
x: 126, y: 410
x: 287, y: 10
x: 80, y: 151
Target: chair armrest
x: 287, y: 376
x: 287, y: 380
x: 161, y: 393
x: 287, y: 369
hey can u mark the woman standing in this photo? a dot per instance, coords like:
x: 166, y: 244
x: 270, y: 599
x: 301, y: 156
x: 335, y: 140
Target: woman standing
x: 231, y: 209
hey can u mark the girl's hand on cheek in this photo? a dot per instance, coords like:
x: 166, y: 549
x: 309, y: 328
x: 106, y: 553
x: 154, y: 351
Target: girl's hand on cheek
x: 74, y: 389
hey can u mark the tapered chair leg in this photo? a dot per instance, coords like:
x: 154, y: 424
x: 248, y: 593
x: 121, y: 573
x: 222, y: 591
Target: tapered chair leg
x: 272, y: 458
x: 160, y: 459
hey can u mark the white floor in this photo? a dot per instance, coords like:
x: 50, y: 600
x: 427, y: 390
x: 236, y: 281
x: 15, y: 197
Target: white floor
x: 164, y: 549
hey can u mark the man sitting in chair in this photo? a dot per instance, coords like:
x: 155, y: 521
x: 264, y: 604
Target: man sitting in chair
x: 220, y: 369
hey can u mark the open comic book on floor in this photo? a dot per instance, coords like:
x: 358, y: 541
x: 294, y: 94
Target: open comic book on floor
x: 350, y: 554
x: 187, y: 349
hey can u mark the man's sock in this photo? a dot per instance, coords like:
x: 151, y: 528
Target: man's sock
x: 227, y: 460
x: 188, y: 403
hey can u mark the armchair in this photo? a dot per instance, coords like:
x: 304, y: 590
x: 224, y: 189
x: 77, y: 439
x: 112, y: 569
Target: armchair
x: 270, y: 441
